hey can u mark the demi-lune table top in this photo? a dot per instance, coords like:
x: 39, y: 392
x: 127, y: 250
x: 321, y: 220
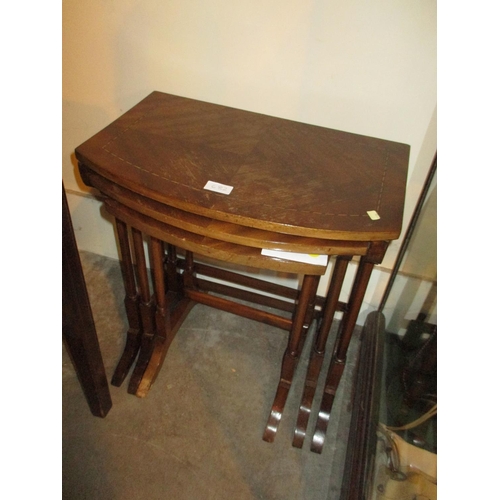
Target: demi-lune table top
x: 286, y: 177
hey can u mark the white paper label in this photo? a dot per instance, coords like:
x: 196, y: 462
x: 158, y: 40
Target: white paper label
x: 373, y: 215
x: 216, y: 187
x: 317, y: 260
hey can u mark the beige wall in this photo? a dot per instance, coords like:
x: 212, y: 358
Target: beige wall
x: 367, y: 67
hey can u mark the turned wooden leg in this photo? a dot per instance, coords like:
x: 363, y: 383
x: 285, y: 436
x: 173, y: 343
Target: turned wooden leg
x: 158, y: 253
x: 291, y: 356
x: 162, y: 319
x: 318, y: 349
x: 147, y: 309
x: 339, y: 354
x: 172, y: 276
x: 167, y: 319
x: 133, y: 341
x: 189, y: 275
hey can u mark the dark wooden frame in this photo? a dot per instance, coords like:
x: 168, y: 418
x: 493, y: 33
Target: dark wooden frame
x: 362, y: 442
x: 78, y: 326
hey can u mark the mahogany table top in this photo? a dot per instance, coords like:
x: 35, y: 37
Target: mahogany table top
x: 286, y: 176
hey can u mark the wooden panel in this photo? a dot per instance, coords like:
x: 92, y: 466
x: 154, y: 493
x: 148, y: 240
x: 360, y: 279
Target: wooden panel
x: 78, y: 323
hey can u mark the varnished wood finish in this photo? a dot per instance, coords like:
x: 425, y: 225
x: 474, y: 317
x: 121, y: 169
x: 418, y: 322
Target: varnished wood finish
x: 147, y: 310
x: 219, y: 230
x: 296, y: 187
x: 339, y: 355
x: 239, y: 309
x: 247, y: 281
x: 291, y: 356
x: 172, y: 277
x: 209, y: 247
x: 162, y: 313
x: 318, y: 350
x: 78, y: 326
x: 160, y: 348
x: 134, y: 333
x: 288, y: 177
x: 237, y: 293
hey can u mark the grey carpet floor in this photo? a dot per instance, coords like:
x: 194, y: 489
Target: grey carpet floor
x: 198, y: 433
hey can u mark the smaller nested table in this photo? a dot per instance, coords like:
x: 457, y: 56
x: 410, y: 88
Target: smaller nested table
x: 195, y: 178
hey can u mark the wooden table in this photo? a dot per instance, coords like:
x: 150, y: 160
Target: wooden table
x: 295, y: 187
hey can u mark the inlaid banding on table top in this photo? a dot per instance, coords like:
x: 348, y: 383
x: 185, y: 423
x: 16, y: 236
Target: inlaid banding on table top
x: 298, y: 178
x: 206, y: 246
x: 188, y: 158
x: 224, y: 231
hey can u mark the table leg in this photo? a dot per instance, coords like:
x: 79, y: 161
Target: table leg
x: 188, y: 277
x: 172, y: 276
x: 318, y: 349
x: 167, y: 320
x: 133, y: 341
x: 147, y: 310
x: 292, y: 354
x: 159, y: 345
x: 336, y: 369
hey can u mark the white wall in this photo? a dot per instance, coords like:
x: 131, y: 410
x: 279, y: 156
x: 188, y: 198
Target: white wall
x: 367, y: 67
